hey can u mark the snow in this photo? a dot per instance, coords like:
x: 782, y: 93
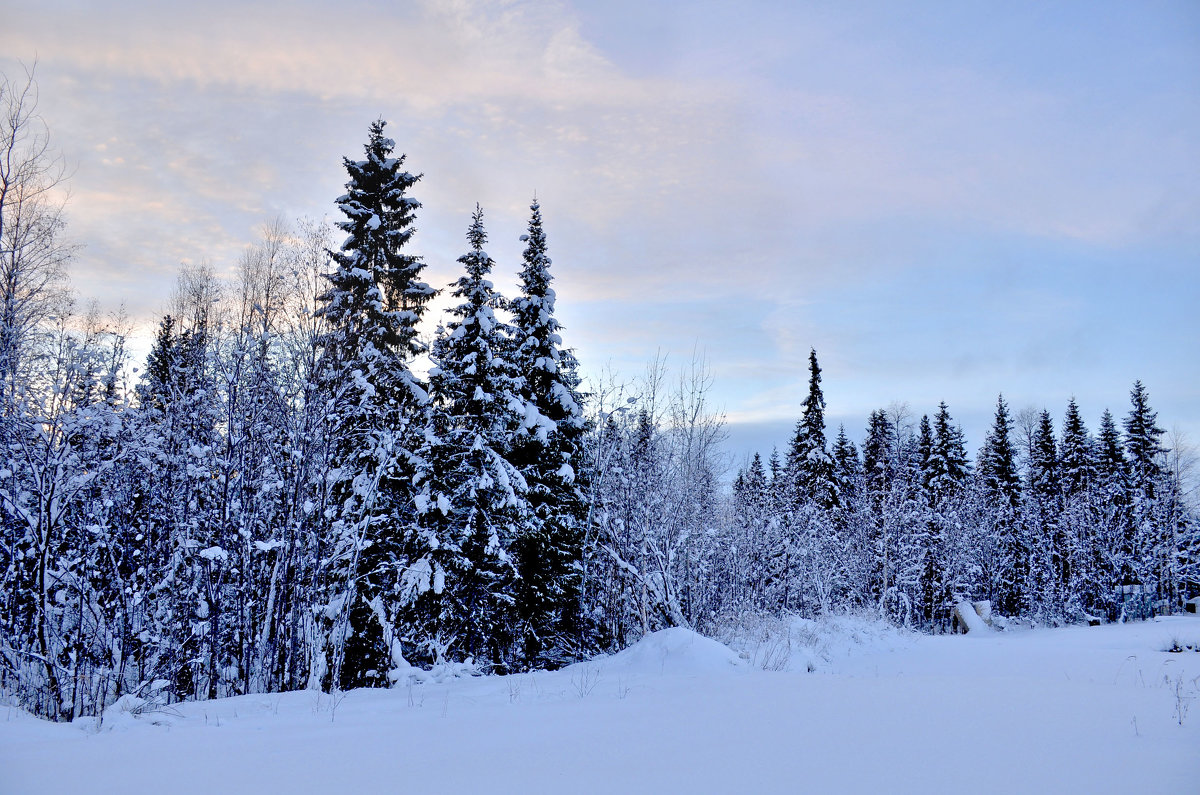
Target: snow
x: 669, y: 651
x: 214, y: 553
x: 974, y: 622
x: 1049, y: 710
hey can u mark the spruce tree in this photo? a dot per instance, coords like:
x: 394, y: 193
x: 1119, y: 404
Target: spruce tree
x: 1111, y: 513
x: 478, y: 506
x: 932, y: 542
x: 946, y: 485
x: 847, y: 468
x: 153, y: 390
x: 752, y: 507
x: 879, y: 476
x: 1002, y: 487
x: 948, y: 464
x: 1082, y: 515
x: 777, y: 477
x: 878, y: 457
x: 947, y: 477
x: 1111, y: 465
x: 1075, y: 455
x: 1143, y: 443
x: 997, y: 461
x: 925, y: 443
x: 176, y: 494
x: 808, y: 459
x: 1152, y: 542
x: 1044, y: 480
x: 371, y: 308
x: 950, y: 439
x: 549, y: 453
x: 1050, y: 555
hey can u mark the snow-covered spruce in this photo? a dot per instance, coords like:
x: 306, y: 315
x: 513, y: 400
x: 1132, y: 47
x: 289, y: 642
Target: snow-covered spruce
x: 372, y: 309
x: 548, y: 451
x: 473, y: 498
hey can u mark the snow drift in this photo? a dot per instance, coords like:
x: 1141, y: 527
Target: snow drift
x: 673, y: 651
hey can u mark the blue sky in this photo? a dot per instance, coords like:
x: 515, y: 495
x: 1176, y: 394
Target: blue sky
x: 946, y: 200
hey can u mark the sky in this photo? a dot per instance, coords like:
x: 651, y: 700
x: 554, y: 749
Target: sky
x: 946, y: 200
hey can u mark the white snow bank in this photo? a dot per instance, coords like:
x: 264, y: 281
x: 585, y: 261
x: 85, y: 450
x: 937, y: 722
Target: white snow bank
x: 122, y: 714
x: 1077, y: 709
x: 672, y: 651
x: 966, y: 613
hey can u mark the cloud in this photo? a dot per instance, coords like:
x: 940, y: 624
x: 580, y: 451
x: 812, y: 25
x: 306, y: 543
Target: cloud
x: 871, y: 182
x: 779, y: 156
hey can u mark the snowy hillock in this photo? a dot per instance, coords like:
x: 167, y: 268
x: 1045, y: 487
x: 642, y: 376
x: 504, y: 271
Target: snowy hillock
x: 672, y: 651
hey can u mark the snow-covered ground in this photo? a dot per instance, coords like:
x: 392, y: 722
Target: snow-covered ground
x: 1068, y: 710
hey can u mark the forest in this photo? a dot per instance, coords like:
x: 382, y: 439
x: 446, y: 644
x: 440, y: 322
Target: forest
x: 311, y: 482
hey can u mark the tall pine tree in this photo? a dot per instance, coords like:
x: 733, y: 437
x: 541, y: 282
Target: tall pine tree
x: 1152, y: 537
x: 1143, y: 443
x: 549, y: 453
x: 1075, y: 454
x: 948, y: 463
x: 809, y: 459
x: 847, y: 468
x: 372, y: 307
x: 1050, y: 555
x: 476, y: 498
x: 1002, y: 487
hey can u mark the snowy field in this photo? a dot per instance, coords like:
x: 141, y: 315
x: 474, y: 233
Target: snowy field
x: 1068, y: 710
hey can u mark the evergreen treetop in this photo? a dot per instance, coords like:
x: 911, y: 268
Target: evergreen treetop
x: 375, y: 298
x: 477, y: 384
x: 878, y: 458
x: 925, y: 442
x: 948, y: 464
x: 808, y: 459
x: 1075, y: 453
x: 1043, y: 466
x: 1110, y: 456
x: 997, y: 460
x: 847, y: 468
x: 1142, y: 441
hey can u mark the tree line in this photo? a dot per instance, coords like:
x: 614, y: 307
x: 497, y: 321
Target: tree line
x: 1054, y: 528
x: 1050, y: 527
x: 300, y: 489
